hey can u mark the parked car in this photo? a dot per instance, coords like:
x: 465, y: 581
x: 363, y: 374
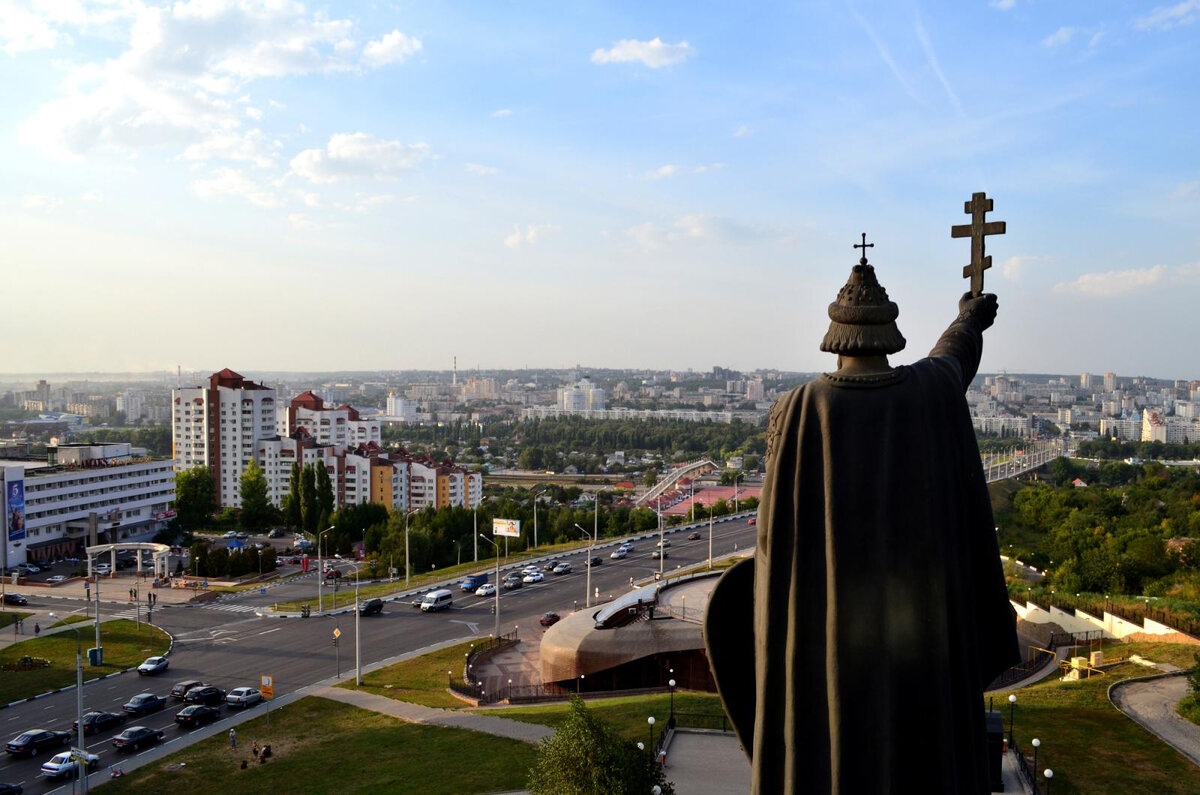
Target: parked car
x: 562, y: 568
x: 34, y: 740
x: 15, y: 599
x: 63, y: 766
x: 8, y: 788
x: 512, y: 584
x: 276, y: 532
x: 96, y: 722
x: 371, y: 607
x: 144, y: 703
x: 537, y: 576
x: 180, y: 689
x: 153, y: 665
x: 56, y: 579
x: 243, y: 536
x: 27, y: 568
x: 694, y: 536
x: 135, y: 737
x: 242, y: 697
x: 618, y: 554
x: 103, y: 569
x: 212, y: 696
x: 195, y: 715
x: 549, y: 619
x: 229, y: 534
x: 487, y: 589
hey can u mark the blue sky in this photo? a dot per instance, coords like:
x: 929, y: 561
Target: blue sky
x: 355, y: 186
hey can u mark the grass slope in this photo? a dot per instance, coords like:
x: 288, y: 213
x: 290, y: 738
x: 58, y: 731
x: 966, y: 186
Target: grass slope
x: 421, y: 680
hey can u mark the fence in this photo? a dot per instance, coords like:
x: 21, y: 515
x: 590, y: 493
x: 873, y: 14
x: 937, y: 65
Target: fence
x: 1134, y: 613
x: 487, y: 645
x: 697, y: 720
x: 1021, y: 671
x: 1025, y: 768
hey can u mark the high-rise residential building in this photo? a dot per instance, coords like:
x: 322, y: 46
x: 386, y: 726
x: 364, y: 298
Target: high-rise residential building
x: 754, y: 390
x: 342, y: 426
x: 219, y: 426
x: 582, y: 396
x: 402, y: 409
x: 1087, y: 381
x: 1110, y: 382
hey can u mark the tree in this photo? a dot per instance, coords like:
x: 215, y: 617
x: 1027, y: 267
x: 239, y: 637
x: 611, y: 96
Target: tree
x: 257, y: 510
x: 195, y: 498
x: 1193, y: 676
x: 587, y: 757
x: 308, y: 498
x: 292, y: 504
x: 324, y: 496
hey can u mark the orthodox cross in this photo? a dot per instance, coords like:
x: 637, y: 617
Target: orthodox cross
x: 979, y: 206
x: 864, y: 246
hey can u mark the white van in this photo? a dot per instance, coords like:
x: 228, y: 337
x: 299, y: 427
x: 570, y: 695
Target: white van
x: 436, y: 600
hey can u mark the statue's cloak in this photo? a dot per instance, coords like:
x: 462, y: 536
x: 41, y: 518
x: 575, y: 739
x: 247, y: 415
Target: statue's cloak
x: 877, y: 595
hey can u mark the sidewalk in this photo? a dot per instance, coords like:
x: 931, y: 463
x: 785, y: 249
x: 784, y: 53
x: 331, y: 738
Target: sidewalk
x: 41, y: 616
x: 415, y: 713
x: 1151, y: 702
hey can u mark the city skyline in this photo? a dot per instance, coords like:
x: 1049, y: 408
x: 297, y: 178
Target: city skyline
x: 300, y: 188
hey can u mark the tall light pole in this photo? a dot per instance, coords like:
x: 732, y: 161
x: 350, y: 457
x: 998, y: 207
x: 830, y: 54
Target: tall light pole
x: 662, y: 550
x: 406, y: 567
x: 474, y: 540
x: 535, y: 534
x: 357, y: 635
x: 81, y: 760
x: 321, y: 570
x: 735, y: 491
x: 495, y: 609
x: 587, y: 587
x: 710, y: 529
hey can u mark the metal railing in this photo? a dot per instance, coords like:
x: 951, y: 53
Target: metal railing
x: 487, y: 645
x: 698, y: 720
x: 1025, y: 768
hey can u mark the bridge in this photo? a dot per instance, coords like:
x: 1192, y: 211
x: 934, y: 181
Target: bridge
x: 668, y: 481
x: 1011, y: 465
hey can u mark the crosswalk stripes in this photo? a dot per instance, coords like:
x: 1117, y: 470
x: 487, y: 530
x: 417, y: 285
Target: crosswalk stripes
x: 231, y: 608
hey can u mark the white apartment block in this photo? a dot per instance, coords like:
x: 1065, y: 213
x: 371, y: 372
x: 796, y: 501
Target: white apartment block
x: 341, y: 426
x: 582, y: 396
x: 1004, y: 426
x: 219, y: 426
x: 76, y: 489
x: 401, y: 409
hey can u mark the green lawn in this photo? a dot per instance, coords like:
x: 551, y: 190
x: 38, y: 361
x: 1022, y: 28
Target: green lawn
x: 125, y: 645
x: 627, y: 714
x: 322, y: 746
x: 421, y: 680
x: 67, y: 620
x: 1089, y: 744
x: 7, y: 619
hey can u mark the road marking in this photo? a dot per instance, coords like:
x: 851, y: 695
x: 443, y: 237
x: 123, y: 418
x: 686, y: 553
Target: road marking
x: 269, y: 631
x: 471, y: 625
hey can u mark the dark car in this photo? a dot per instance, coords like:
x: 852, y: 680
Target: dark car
x: 196, y: 715
x: 512, y: 583
x: 276, y: 532
x: 693, y: 536
x: 594, y: 561
x: 144, y: 703
x: 549, y: 565
x: 656, y: 554
x: 15, y: 599
x: 96, y: 722
x: 7, y: 788
x: 205, y: 695
x: 180, y: 689
x: 135, y: 737
x: 34, y: 740
x: 333, y: 574
x: 371, y: 607
x: 549, y: 619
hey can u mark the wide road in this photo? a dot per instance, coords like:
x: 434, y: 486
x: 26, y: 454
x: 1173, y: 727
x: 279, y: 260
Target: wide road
x: 226, y: 644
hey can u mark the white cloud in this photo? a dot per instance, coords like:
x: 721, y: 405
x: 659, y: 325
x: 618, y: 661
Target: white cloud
x: 647, y: 235
x: 528, y: 236
x: 254, y: 113
x: 1186, y: 190
x: 364, y: 203
x: 1002, y: 5
x: 742, y: 131
x: 276, y: 104
x: 653, y: 53
x: 39, y: 202
x: 693, y: 226
x: 358, y: 155
x: 481, y: 170
x: 249, y: 146
x: 704, y: 168
x: 1059, y: 37
x: 502, y: 113
x: 669, y: 170
x: 232, y: 182
x: 1167, y: 17
x: 1111, y: 283
x: 1014, y: 268
x: 672, y: 170
x: 93, y: 196
x: 310, y: 199
x: 392, y: 48
x: 302, y: 221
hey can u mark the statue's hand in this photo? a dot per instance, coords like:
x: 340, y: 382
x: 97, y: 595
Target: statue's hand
x: 982, y: 308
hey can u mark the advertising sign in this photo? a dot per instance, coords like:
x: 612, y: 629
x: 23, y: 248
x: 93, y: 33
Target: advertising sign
x: 506, y: 527
x: 267, y: 686
x: 14, y: 511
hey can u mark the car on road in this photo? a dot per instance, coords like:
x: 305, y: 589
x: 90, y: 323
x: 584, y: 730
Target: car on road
x: 229, y: 534
x: 207, y: 694
x: 96, y: 722
x: 656, y: 554
x: 34, y: 740
x: 179, y: 689
x: 7, y: 788
x: 276, y: 532
x: 693, y: 536
x: 15, y: 599
x: 487, y: 589
x: 196, y: 715
x: 563, y: 568
x: 135, y: 737
x: 333, y: 574
x: 63, y: 766
x: 666, y: 542
x: 153, y: 665
x: 103, y: 569
x: 752, y: 520
x: 536, y: 576
x: 618, y: 554
x: 243, y: 536
x: 371, y: 607
x: 56, y: 579
x: 242, y: 697
x: 594, y: 561
x: 549, y: 565
x: 529, y: 570
x: 626, y: 547
x: 143, y: 704
x: 549, y: 619
x: 513, y: 583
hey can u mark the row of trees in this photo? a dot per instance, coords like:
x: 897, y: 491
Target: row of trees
x: 208, y: 561
x: 308, y: 505
x: 1153, y: 451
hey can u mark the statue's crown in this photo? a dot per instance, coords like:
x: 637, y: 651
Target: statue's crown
x: 863, y: 320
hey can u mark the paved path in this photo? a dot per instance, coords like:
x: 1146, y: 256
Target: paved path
x: 415, y: 713
x: 1152, y: 704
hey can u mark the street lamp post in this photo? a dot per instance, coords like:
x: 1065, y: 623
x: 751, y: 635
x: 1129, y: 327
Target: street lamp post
x: 671, y: 682
x: 587, y: 586
x: 406, y: 568
x: 357, y: 634
x: 1012, y: 706
x: 662, y: 550
x: 650, y: 720
x: 535, y: 533
x: 81, y: 760
x: 495, y: 609
x: 735, y: 491
x: 1049, y: 774
x: 710, y: 529
x: 1036, y: 743
x: 321, y: 570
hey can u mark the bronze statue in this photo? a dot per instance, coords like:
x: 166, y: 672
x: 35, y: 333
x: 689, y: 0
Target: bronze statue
x: 878, y: 600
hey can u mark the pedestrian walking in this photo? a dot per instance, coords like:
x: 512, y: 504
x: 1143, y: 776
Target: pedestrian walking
x: 233, y: 739
x: 37, y: 628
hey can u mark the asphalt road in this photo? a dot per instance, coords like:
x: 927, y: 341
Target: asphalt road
x: 226, y: 644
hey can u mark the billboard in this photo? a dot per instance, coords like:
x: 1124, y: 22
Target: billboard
x: 14, y: 510
x: 506, y: 527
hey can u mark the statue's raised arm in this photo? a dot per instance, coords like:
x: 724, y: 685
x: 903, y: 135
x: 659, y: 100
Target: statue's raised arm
x: 961, y: 345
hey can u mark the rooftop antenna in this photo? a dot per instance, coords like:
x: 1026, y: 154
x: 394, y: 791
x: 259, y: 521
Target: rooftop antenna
x: 454, y: 377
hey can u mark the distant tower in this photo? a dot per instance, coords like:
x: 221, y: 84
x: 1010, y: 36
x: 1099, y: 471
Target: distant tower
x: 178, y: 377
